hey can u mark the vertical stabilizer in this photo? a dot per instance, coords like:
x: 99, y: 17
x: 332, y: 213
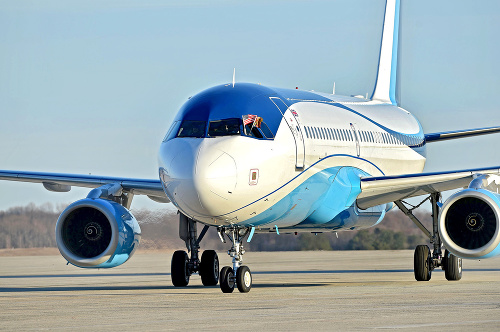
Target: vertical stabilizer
x: 385, y: 88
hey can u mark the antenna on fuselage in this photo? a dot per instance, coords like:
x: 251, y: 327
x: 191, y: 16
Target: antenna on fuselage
x: 333, y: 88
x: 234, y: 75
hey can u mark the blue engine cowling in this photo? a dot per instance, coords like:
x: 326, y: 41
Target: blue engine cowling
x: 469, y: 224
x: 97, y: 233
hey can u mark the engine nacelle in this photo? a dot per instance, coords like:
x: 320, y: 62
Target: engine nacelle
x: 469, y: 223
x: 97, y: 233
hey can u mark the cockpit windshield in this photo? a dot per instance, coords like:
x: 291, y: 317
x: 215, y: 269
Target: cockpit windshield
x: 252, y: 126
x: 191, y: 128
x: 225, y: 127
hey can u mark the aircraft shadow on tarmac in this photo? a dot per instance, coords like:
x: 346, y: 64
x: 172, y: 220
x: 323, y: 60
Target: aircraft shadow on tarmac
x: 166, y: 287
x: 36, y: 276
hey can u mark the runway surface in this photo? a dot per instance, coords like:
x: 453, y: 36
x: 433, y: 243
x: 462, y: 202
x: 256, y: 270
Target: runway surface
x: 346, y: 290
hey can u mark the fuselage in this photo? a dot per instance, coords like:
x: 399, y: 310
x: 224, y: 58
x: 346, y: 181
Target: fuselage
x: 276, y: 158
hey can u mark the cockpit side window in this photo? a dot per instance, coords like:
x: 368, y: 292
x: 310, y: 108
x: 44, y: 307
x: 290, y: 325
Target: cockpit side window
x: 253, y: 131
x: 265, y: 129
x: 190, y: 128
x: 172, y: 132
x: 254, y: 126
x: 225, y: 127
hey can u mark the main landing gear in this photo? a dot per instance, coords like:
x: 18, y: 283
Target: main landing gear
x: 423, y: 261
x: 184, y: 265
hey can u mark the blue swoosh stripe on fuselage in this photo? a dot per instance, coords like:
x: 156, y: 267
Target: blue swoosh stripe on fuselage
x: 284, y: 185
x: 323, y: 201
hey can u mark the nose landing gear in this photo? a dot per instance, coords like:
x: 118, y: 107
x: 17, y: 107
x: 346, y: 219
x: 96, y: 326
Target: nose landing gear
x: 184, y: 265
x: 238, y: 274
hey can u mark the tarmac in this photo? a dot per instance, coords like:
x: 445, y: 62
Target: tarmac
x: 292, y: 291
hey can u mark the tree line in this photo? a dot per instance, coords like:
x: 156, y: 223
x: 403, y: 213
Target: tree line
x: 33, y: 226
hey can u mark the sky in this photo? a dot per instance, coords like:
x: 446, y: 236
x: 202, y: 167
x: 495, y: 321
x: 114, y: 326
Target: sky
x: 91, y: 87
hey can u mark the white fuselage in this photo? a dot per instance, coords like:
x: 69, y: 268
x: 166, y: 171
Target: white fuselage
x: 235, y: 179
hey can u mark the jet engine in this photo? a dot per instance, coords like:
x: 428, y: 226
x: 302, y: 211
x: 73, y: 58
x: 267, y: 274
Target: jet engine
x: 97, y: 233
x: 469, y: 223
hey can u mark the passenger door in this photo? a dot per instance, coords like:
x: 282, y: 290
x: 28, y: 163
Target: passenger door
x: 292, y: 119
x: 356, y: 138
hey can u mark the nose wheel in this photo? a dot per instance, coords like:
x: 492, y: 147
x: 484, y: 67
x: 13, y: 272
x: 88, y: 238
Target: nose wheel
x: 238, y: 275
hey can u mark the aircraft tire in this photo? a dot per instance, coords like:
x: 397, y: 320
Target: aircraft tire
x: 227, y: 279
x: 209, y: 268
x: 422, y: 263
x: 244, y: 279
x: 179, y: 269
x: 452, y: 266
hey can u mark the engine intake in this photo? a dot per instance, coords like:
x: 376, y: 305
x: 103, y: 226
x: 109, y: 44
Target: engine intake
x: 469, y: 223
x: 97, y: 233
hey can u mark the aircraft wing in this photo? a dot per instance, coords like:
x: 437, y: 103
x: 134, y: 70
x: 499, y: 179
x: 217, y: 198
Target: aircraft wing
x: 386, y: 189
x: 444, y: 136
x: 63, y: 183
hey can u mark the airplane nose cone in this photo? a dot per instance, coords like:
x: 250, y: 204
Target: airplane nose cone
x: 178, y: 175
x: 199, y: 177
x: 217, y: 173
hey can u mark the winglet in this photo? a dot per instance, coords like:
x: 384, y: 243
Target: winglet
x: 385, y: 87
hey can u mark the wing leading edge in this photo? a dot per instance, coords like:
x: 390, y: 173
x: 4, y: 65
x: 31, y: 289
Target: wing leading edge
x: 386, y: 189
x: 443, y: 136
x: 63, y: 182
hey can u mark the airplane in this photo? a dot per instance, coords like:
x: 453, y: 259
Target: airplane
x: 246, y: 158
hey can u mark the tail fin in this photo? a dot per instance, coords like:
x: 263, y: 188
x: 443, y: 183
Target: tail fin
x: 385, y: 88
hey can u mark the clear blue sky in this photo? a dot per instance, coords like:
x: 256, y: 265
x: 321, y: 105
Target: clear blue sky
x: 92, y: 86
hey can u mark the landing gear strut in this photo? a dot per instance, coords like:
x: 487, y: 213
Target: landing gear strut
x: 424, y: 262
x: 183, y: 266
x: 237, y: 275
